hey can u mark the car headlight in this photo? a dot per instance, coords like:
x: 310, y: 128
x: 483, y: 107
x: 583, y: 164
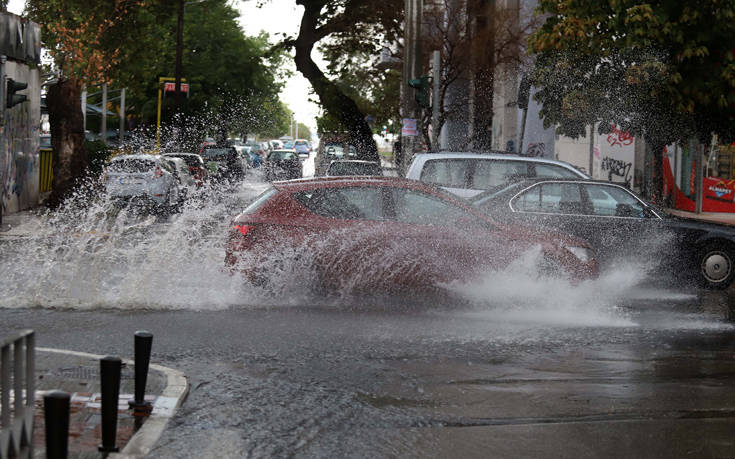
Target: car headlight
x: 583, y: 253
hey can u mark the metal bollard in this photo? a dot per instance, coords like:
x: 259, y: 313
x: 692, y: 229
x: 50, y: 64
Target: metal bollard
x: 143, y: 345
x: 110, y: 380
x: 56, y: 420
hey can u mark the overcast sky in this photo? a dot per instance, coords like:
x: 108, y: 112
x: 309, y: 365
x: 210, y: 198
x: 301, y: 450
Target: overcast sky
x: 275, y: 17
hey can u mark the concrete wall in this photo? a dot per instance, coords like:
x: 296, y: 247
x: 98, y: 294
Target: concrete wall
x: 19, y: 147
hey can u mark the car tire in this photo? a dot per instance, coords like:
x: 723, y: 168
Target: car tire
x: 716, y: 264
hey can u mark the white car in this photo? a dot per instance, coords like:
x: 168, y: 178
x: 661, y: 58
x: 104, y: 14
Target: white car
x: 148, y: 178
x: 468, y: 174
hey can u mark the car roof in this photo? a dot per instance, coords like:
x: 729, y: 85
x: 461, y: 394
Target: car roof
x: 136, y: 156
x: 505, y: 188
x: 351, y: 180
x: 487, y: 155
x: 352, y: 161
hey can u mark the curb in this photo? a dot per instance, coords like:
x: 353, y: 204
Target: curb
x: 171, y: 398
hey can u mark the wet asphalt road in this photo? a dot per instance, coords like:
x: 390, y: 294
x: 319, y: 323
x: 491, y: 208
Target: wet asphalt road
x: 518, y: 368
x: 332, y: 382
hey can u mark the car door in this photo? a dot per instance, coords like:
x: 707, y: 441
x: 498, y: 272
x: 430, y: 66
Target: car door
x: 347, y: 236
x: 555, y: 206
x: 438, y: 241
x: 621, y: 226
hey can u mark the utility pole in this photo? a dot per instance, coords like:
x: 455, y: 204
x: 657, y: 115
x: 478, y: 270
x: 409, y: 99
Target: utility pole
x: 103, y: 129
x: 411, y: 70
x: 122, y: 116
x: 179, y: 51
x: 435, y: 102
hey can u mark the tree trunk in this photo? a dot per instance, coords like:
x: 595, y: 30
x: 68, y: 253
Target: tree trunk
x: 67, y: 137
x: 332, y: 99
x: 655, y: 191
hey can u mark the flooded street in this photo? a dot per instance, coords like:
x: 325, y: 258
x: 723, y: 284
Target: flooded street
x: 507, y: 365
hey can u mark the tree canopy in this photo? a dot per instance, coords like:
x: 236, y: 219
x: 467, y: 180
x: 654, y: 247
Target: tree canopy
x: 351, y: 28
x: 664, y: 69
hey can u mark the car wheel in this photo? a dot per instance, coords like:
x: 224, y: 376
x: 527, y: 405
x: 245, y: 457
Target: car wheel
x: 716, y: 268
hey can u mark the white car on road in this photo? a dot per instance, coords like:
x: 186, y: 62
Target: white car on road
x: 150, y: 179
x: 468, y: 174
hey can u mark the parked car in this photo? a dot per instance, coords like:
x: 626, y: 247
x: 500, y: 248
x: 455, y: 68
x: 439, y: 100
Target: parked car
x: 195, y: 164
x: 224, y: 163
x: 353, y: 167
x: 385, y: 234
x: 620, y: 226
x: 147, y: 179
x: 283, y: 165
x: 187, y: 185
x: 468, y: 174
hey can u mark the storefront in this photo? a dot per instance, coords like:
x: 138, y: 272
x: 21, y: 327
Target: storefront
x: 716, y: 181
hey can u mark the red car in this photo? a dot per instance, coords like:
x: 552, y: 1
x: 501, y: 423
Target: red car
x: 383, y: 235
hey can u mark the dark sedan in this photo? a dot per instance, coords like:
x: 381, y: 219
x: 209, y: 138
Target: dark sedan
x: 283, y: 165
x: 620, y: 226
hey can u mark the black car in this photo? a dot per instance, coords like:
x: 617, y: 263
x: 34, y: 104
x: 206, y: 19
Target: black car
x: 223, y: 163
x: 283, y: 165
x: 619, y: 225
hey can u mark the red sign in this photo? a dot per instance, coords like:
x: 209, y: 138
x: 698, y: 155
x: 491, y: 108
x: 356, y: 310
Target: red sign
x: 171, y: 87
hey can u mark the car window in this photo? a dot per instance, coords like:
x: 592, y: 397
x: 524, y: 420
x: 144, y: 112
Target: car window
x: 491, y: 173
x: 553, y: 171
x: 260, y: 200
x: 132, y: 166
x: 446, y: 172
x: 354, y: 169
x: 281, y: 156
x: 420, y: 208
x: 364, y: 203
x: 614, y: 201
x: 563, y: 198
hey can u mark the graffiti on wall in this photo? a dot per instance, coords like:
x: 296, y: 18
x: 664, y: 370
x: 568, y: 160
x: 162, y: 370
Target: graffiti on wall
x: 617, y: 169
x: 20, y: 158
x: 536, y: 149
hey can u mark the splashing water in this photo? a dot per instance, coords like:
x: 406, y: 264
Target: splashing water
x: 93, y: 254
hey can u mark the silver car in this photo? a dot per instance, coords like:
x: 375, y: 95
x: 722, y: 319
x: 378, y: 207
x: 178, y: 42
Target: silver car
x: 150, y: 179
x: 468, y: 174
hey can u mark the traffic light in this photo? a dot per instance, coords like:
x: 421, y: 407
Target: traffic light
x: 421, y: 85
x: 11, y: 97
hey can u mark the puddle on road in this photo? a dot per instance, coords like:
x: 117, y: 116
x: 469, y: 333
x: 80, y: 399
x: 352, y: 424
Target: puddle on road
x: 96, y: 256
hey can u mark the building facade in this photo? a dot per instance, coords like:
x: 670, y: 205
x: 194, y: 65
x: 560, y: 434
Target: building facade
x: 20, y: 45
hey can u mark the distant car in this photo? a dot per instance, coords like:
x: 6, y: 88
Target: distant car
x: 302, y: 147
x: 224, y: 163
x: 283, y: 165
x: 147, y: 179
x: 469, y: 174
x: 620, y: 226
x: 353, y: 167
x: 384, y: 234
x: 195, y: 164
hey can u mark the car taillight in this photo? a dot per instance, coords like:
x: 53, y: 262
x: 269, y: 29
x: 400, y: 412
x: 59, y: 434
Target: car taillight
x: 158, y: 173
x: 243, y: 229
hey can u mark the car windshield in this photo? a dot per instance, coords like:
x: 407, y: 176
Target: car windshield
x: 348, y: 168
x: 132, y: 165
x: 215, y: 153
x: 281, y: 156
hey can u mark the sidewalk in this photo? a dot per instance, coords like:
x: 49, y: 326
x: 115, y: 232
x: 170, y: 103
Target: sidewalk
x: 16, y: 220
x: 78, y: 374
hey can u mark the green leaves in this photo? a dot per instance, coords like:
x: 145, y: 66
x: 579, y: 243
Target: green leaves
x: 663, y: 66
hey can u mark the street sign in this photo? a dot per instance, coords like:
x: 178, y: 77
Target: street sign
x: 409, y: 127
x: 171, y: 87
